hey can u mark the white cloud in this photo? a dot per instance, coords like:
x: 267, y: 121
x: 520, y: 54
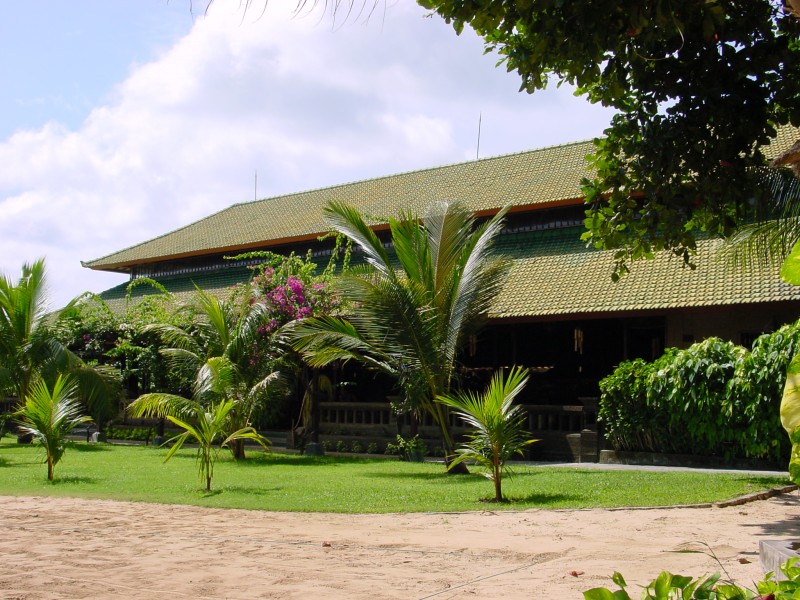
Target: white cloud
x: 301, y: 102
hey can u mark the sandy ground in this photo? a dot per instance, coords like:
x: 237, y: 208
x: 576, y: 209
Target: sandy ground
x: 68, y: 548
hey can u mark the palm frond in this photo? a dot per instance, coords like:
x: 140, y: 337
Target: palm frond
x: 161, y: 405
x: 349, y: 222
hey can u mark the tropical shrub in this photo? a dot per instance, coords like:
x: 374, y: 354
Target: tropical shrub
x: 668, y: 586
x: 713, y: 398
x: 99, y: 336
x: 287, y: 288
x: 411, y: 449
x: 630, y: 421
x: 141, y: 434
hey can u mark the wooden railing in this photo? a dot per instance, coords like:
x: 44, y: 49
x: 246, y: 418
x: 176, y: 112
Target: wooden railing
x: 357, y: 416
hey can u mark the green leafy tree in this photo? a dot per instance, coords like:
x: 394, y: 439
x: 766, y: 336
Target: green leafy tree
x: 49, y: 415
x: 678, y: 156
x: 499, y: 425
x: 208, y: 425
x: 411, y: 308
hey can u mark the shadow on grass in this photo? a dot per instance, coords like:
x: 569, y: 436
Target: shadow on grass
x: 541, y: 500
x: 252, y: 491
x: 87, y: 447
x: 442, y: 476
x: 765, y: 481
x: 300, y: 460
x: 72, y: 479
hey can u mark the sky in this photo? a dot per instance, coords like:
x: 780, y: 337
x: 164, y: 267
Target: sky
x: 121, y: 121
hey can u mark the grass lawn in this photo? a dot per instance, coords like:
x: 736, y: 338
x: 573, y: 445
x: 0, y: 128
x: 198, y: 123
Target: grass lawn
x: 286, y: 482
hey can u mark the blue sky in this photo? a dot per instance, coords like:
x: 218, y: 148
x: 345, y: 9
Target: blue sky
x: 122, y: 120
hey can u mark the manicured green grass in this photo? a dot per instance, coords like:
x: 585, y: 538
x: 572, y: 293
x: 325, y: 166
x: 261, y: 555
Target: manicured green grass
x: 285, y: 482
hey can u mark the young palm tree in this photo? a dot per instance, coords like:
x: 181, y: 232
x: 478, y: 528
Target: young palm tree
x: 499, y: 425
x: 50, y: 415
x: 412, y: 309
x: 30, y: 349
x: 218, y: 350
x: 206, y: 419
x: 210, y: 425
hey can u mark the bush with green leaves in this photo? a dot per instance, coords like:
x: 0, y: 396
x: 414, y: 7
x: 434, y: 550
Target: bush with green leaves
x: 142, y: 434
x: 407, y: 448
x: 714, y: 398
x: 668, y: 586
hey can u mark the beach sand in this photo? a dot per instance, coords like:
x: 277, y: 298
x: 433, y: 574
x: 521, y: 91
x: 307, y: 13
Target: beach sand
x: 71, y: 548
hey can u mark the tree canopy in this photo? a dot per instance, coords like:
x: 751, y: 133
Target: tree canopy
x: 700, y: 87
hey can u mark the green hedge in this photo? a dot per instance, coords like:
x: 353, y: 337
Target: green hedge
x: 714, y: 398
x: 114, y: 432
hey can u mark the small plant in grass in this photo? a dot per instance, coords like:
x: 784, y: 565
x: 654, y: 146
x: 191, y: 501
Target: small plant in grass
x: 209, y: 427
x: 327, y: 446
x: 356, y: 447
x: 341, y: 446
x: 498, y: 432
x: 411, y: 449
x: 50, y: 415
x: 372, y: 448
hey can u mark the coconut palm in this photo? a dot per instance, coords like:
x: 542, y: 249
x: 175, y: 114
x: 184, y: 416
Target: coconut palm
x: 498, y: 424
x: 30, y: 348
x: 769, y: 238
x: 49, y: 415
x: 210, y: 416
x: 207, y: 426
x: 27, y: 343
x: 218, y: 349
x: 412, y: 308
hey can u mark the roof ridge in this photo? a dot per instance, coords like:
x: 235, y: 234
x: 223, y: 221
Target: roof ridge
x: 409, y: 172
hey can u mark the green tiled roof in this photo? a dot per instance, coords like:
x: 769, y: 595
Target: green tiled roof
x: 536, y: 177
x: 554, y: 274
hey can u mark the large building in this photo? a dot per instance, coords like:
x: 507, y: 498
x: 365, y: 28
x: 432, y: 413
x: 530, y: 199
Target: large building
x: 559, y: 312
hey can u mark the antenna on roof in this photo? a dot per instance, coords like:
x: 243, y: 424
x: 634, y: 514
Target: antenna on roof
x: 478, y: 149
x: 255, y: 187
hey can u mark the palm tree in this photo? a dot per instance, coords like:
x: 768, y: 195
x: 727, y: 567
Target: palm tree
x: 769, y: 239
x: 204, y: 424
x: 27, y: 344
x: 218, y: 350
x: 30, y: 349
x: 411, y: 309
x: 498, y: 425
x: 50, y: 415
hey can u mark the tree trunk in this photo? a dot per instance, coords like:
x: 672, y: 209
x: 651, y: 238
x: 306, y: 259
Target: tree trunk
x: 450, y: 447
x: 315, y: 399
x: 50, y: 468
x: 237, y: 449
x: 459, y: 469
